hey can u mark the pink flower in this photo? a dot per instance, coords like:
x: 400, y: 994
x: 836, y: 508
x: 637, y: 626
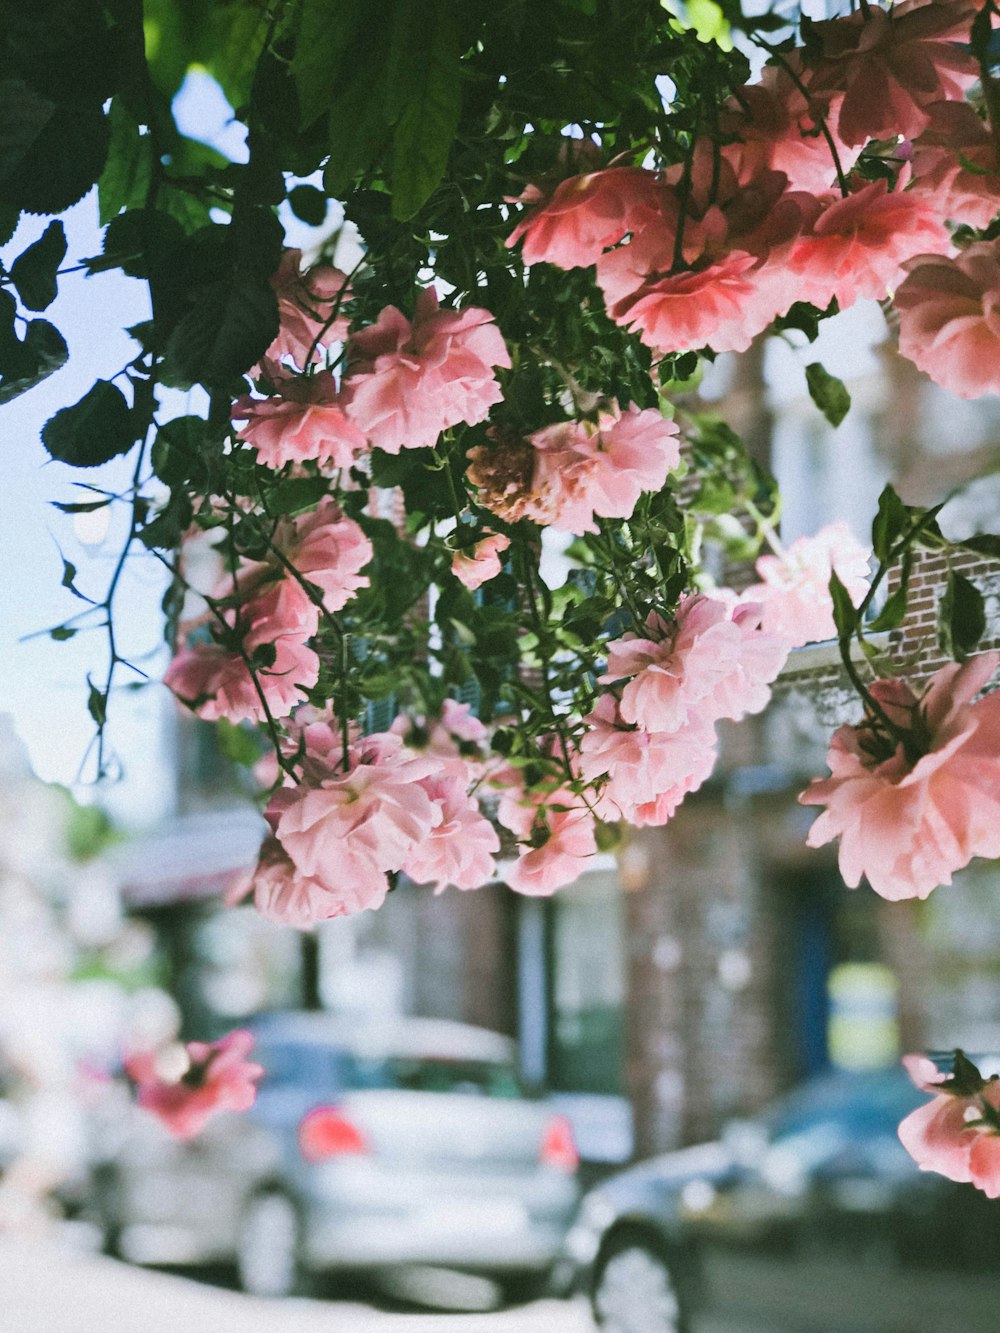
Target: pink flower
x: 949, y: 318
x: 460, y: 847
x: 353, y: 827
x: 723, y: 305
x: 303, y: 421
x: 556, y: 832
x: 218, y: 1078
x: 306, y: 305
x: 710, y: 661
x: 957, y: 1133
x: 282, y: 894
x: 907, y: 818
x: 584, y: 215
x: 854, y: 246
x: 642, y: 766
x: 955, y: 165
x: 407, y: 383
x: 476, y: 565
x: 274, y: 624
x: 583, y: 470
x: 795, y: 595
x: 891, y: 67
x: 328, y: 550
x: 454, y: 740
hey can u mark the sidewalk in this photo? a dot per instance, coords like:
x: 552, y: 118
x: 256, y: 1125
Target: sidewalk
x: 49, y: 1290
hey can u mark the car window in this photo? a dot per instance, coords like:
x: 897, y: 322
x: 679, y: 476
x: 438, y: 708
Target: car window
x: 301, y: 1065
x: 854, y: 1107
x: 487, y: 1078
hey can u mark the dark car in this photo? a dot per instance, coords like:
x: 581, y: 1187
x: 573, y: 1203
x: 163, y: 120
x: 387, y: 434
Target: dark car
x: 370, y: 1146
x: 793, y: 1204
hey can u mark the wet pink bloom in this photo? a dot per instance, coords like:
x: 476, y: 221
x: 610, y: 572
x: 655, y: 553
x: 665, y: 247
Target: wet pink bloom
x: 476, y: 565
x: 891, y: 67
x: 582, y: 470
x: 460, y: 848
x: 306, y: 305
x: 908, y: 821
x: 303, y: 421
x: 328, y: 550
x: 711, y: 661
x: 795, y: 594
x: 642, y: 766
x: 584, y: 215
x: 218, y: 1078
x: 855, y: 246
x: 216, y: 682
x: 406, y: 383
x: 949, y: 318
x: 953, y: 1134
x: 955, y: 164
x: 354, y: 827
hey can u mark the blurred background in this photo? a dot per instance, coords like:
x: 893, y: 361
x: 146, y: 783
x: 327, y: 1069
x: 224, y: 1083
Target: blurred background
x: 459, y: 1087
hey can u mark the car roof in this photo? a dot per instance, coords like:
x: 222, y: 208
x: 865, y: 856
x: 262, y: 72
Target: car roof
x: 418, y: 1038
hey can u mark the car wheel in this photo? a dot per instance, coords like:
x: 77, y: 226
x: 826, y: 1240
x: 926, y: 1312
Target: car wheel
x: 267, y: 1248
x: 635, y: 1290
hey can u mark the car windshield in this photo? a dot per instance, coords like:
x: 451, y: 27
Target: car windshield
x: 860, y: 1105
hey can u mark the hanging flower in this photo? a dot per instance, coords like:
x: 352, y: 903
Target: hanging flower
x: 710, y: 661
x: 584, y: 215
x: 328, y: 550
x: 956, y: 165
x: 460, y: 847
x: 909, y: 816
x: 282, y: 894
x: 949, y: 318
x: 309, y: 306
x: 795, y: 594
x: 957, y: 1133
x: 302, y: 421
x: 218, y: 1077
x: 406, y: 383
x: 475, y: 565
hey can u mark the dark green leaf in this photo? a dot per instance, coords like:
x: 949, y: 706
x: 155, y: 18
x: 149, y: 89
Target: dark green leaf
x: 308, y: 204
x: 984, y: 543
x: 295, y: 495
x: 828, y: 393
x: 97, y: 428
x: 426, y: 127
x: 961, y: 620
x: 62, y: 632
x: 9, y: 218
x: 138, y: 242
x: 42, y: 352
x: 228, y: 330
x: 62, y: 163
x: 845, y: 615
x: 97, y: 703
x: 320, y: 51
x: 34, y: 271
x: 891, y: 521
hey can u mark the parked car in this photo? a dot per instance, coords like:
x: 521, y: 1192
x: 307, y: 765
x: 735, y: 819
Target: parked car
x: 368, y: 1147
x: 821, y: 1174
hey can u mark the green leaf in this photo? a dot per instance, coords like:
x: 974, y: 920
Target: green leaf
x: 426, y: 128
x: 124, y: 182
x: 25, y: 364
x: 961, y: 620
x: 295, y: 495
x: 33, y: 272
x: 240, y: 744
x: 62, y: 632
x: 62, y: 163
x: 828, y: 393
x: 97, y: 428
x: 322, y: 47
x: 892, y: 612
x: 231, y: 325
x: 9, y: 218
x: 845, y: 615
x: 891, y: 521
x: 308, y: 204
x: 984, y: 543
x: 97, y: 703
